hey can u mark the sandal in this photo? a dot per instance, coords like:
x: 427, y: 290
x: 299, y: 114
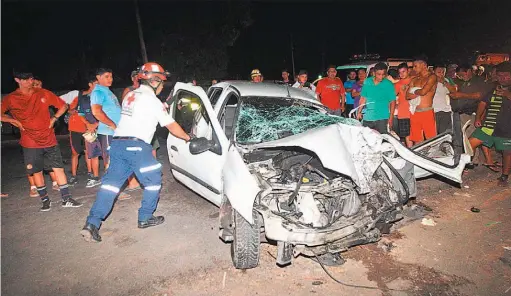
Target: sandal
x: 492, y: 167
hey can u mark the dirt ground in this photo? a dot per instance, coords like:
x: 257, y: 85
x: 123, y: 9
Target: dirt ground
x: 465, y: 253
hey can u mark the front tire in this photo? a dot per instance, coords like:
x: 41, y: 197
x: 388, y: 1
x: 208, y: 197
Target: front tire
x: 246, y: 246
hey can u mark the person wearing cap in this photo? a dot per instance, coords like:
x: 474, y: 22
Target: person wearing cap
x: 303, y: 84
x: 331, y: 91
x: 131, y: 152
x: 29, y: 111
x: 256, y: 76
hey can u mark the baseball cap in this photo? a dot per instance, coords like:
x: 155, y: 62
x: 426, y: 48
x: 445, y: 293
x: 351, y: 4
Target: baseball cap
x: 255, y: 72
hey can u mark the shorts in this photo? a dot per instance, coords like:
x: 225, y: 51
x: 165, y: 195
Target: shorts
x: 380, y: 125
x: 443, y: 122
x: 501, y: 144
x: 403, y: 127
x: 77, y: 141
x: 39, y: 159
x: 422, y: 122
x: 155, y: 143
x: 105, y: 141
x: 93, y: 149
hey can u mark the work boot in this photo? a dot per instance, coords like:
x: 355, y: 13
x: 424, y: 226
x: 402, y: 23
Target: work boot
x: 153, y: 221
x: 90, y: 233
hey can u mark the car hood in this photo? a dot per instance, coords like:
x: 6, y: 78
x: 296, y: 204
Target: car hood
x: 353, y: 151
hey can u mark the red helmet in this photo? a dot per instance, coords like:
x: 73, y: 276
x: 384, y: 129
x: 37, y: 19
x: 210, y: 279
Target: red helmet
x: 152, y: 70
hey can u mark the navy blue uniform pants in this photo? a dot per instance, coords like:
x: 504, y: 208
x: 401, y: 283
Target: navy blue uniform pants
x: 128, y: 157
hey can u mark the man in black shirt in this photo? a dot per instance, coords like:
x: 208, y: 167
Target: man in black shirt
x: 495, y: 129
x: 471, y: 89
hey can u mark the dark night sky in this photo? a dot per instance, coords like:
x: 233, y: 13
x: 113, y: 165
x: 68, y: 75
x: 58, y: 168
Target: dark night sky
x: 45, y: 37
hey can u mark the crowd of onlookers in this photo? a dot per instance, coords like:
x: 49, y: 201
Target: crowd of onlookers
x: 420, y: 102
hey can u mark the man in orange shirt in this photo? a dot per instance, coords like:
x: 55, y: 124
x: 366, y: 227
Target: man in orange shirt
x: 331, y: 92
x: 403, y: 106
x: 78, y: 126
x: 29, y: 111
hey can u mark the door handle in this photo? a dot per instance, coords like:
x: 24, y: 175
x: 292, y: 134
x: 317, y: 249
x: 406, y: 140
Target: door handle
x: 173, y: 148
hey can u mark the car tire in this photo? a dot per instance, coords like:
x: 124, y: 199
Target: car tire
x: 246, y: 245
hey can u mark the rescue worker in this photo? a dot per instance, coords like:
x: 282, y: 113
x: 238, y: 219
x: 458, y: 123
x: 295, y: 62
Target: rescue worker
x: 131, y: 152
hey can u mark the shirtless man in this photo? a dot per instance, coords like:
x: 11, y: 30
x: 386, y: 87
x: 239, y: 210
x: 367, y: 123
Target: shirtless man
x: 423, y: 119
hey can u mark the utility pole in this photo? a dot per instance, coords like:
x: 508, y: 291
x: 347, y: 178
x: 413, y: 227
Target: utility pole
x: 365, y: 44
x: 140, y: 33
x: 293, y: 56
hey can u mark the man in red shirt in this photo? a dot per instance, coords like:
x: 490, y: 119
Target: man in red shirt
x: 29, y: 111
x: 403, y: 106
x: 331, y: 92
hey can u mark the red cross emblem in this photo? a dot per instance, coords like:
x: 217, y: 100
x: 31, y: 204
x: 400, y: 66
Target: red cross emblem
x: 130, y: 99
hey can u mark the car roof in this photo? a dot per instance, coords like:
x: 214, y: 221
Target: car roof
x: 267, y: 89
x: 356, y: 65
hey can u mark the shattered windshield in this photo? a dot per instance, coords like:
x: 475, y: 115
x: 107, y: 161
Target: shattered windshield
x: 263, y: 119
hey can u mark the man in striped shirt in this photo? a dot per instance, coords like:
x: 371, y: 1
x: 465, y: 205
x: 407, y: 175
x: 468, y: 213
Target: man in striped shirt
x: 493, y: 121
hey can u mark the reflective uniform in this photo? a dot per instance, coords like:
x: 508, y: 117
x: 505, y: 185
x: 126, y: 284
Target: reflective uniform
x: 130, y: 152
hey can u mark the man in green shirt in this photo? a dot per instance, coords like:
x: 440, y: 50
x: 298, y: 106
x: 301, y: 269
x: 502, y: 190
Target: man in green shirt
x: 380, y: 98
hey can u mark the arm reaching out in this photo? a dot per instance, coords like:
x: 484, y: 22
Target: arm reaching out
x: 176, y: 130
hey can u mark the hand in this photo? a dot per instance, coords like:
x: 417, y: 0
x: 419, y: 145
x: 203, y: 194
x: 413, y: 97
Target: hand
x: 391, y: 120
x: 478, y: 123
x: 454, y: 95
x: 91, y: 127
x: 18, y: 124
x: 52, y: 122
x: 503, y: 92
x: 412, y: 96
x: 359, y: 116
x: 113, y: 127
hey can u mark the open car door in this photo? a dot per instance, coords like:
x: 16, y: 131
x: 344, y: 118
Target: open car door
x: 200, y: 172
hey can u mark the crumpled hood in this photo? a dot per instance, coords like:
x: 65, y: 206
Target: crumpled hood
x: 353, y: 151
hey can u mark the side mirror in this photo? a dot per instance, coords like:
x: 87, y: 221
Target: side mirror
x: 200, y: 145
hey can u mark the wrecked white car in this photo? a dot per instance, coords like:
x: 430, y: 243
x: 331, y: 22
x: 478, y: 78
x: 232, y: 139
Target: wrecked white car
x: 283, y: 170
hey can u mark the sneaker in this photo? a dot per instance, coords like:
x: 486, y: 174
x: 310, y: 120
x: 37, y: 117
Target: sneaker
x: 90, y: 175
x: 55, y: 187
x: 71, y: 203
x: 503, y: 180
x: 90, y: 233
x: 93, y: 182
x: 33, y: 192
x: 153, y: 221
x: 46, y: 206
x: 72, y: 181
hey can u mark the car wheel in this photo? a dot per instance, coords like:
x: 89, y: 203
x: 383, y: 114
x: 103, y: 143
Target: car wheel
x: 246, y: 245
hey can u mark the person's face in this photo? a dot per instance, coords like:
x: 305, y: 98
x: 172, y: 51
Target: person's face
x: 285, y: 76
x: 158, y: 84
x: 213, y: 82
x: 465, y: 75
x: 504, y: 78
x: 25, y: 83
x: 302, y: 78
x: 352, y: 75
x: 403, y: 73
x: 105, y: 79
x: 379, y: 75
x: 37, y: 83
x: 419, y: 66
x: 256, y: 78
x: 440, y: 73
x: 331, y: 73
x: 362, y: 75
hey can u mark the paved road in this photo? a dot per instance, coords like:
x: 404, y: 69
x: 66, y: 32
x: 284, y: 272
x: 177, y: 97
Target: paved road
x: 43, y: 253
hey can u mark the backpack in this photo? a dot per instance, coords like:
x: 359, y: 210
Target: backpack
x: 84, y: 107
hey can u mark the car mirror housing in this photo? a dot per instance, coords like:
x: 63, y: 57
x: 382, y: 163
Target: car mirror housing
x: 200, y: 145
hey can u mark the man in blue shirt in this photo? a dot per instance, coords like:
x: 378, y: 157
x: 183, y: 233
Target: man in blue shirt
x: 380, y: 99
x: 107, y: 110
x: 348, y: 85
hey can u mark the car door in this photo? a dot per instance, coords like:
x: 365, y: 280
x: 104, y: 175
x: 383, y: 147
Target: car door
x: 201, y: 172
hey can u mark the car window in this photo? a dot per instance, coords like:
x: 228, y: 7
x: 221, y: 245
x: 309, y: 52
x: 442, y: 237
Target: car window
x: 214, y: 95
x: 191, y: 115
x: 228, y: 113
